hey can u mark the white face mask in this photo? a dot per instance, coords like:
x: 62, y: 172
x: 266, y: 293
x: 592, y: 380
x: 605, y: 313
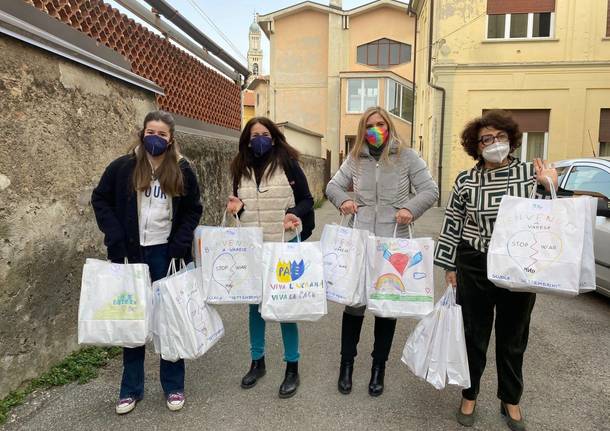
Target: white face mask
x: 496, y: 152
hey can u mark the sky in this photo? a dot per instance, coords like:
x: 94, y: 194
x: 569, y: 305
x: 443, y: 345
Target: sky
x: 233, y: 18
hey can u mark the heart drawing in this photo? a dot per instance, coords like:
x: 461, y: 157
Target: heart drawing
x: 534, y: 251
x: 401, y: 261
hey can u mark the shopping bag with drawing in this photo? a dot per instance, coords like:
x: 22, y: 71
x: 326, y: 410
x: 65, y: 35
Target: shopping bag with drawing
x: 399, y: 281
x: 293, y: 282
x: 436, y: 350
x: 230, y: 261
x: 344, y: 250
x: 114, y: 306
x: 185, y: 327
x: 537, y: 244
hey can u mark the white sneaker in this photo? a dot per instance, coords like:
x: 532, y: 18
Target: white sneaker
x: 125, y: 405
x: 175, y: 401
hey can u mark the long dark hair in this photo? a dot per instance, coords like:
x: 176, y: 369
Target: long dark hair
x: 243, y: 165
x: 169, y: 172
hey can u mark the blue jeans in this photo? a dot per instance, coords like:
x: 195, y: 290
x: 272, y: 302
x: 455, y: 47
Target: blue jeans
x: 290, y: 335
x: 171, y: 373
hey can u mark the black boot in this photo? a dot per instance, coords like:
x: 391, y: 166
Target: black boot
x: 345, y: 377
x: 257, y: 370
x: 376, y: 383
x: 291, y: 380
x: 384, y: 334
x: 350, y: 335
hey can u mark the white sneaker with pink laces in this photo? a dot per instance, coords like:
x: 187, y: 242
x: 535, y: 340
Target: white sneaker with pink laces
x: 125, y: 405
x: 175, y: 401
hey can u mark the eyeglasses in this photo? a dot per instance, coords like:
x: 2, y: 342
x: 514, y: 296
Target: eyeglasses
x: 490, y: 139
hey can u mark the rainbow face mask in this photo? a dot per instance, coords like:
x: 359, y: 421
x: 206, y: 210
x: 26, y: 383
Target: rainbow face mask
x: 376, y: 136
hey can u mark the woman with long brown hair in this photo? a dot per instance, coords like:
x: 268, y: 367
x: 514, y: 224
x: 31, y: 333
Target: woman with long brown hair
x: 382, y: 172
x: 270, y: 190
x: 147, y: 204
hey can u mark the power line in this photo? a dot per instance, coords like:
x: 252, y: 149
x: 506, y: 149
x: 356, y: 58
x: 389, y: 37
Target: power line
x: 218, y: 30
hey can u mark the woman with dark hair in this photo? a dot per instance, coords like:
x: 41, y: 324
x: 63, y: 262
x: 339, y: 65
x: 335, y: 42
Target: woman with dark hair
x: 270, y: 190
x: 147, y: 204
x: 462, y: 251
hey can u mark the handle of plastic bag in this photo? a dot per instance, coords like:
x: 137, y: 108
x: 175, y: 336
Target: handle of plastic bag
x: 298, y: 235
x: 551, y: 186
x: 410, y: 230
x: 223, y: 223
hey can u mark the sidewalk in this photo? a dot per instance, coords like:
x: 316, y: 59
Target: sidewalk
x: 566, y: 372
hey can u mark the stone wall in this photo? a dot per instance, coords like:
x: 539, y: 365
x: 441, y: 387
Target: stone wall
x: 62, y: 124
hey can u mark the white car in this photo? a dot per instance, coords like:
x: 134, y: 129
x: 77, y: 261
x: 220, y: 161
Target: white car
x: 592, y: 176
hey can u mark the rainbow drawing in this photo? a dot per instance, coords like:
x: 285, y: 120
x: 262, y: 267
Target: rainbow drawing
x: 388, y: 282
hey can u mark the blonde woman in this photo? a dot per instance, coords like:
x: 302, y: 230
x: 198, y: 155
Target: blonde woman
x: 383, y: 173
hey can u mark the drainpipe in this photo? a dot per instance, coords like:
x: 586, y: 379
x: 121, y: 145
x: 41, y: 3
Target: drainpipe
x: 443, y: 94
x: 411, y: 11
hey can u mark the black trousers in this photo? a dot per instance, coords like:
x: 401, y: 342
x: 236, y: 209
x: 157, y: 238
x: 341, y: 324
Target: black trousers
x: 478, y: 297
x: 350, y: 335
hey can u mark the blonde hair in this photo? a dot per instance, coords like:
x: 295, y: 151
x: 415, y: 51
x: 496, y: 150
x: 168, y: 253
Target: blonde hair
x: 361, y: 135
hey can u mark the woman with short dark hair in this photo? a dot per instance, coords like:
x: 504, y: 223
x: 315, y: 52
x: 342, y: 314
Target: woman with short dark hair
x: 462, y: 251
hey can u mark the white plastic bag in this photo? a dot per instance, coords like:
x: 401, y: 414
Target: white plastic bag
x: 537, y: 244
x: 114, y: 306
x: 587, y: 271
x: 293, y: 282
x: 185, y: 326
x: 436, y: 350
x: 344, y: 251
x: 399, y: 281
x: 230, y: 261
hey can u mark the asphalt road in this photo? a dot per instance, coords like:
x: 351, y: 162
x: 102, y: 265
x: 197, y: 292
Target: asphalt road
x: 567, y: 379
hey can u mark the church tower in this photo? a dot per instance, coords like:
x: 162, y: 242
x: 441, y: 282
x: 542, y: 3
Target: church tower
x: 255, y: 53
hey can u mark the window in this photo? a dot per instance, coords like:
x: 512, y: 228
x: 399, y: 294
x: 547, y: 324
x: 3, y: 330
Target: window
x: 531, y: 25
x: 257, y: 99
x: 383, y: 53
x: 399, y: 100
x: 255, y: 69
x: 589, y: 179
x: 361, y: 94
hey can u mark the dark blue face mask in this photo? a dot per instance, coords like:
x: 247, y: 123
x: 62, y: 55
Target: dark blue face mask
x: 155, y: 145
x: 261, y: 145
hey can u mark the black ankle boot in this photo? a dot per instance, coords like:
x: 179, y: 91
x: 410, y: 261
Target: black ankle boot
x: 376, y: 383
x: 257, y: 370
x: 345, y: 377
x: 291, y: 380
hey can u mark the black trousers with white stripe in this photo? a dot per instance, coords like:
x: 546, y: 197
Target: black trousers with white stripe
x: 479, y: 297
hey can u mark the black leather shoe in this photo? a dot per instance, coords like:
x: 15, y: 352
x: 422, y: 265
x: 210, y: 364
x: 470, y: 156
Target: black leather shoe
x: 257, y: 370
x: 376, y: 383
x: 513, y: 424
x: 291, y: 380
x: 345, y: 377
x: 464, y: 419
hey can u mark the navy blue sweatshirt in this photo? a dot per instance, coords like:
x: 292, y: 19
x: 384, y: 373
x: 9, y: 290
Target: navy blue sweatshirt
x: 114, y: 202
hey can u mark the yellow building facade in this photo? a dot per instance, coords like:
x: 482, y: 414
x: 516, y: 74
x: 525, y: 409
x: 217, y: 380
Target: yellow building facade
x: 546, y: 61
x: 328, y: 65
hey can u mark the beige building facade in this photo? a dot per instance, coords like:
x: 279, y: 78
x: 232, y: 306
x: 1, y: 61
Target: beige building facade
x: 328, y: 65
x: 546, y: 61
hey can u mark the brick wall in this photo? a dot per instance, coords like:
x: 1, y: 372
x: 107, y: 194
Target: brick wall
x: 191, y: 88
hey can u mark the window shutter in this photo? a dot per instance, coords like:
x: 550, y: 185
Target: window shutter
x: 530, y: 120
x: 604, y: 125
x: 495, y: 7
